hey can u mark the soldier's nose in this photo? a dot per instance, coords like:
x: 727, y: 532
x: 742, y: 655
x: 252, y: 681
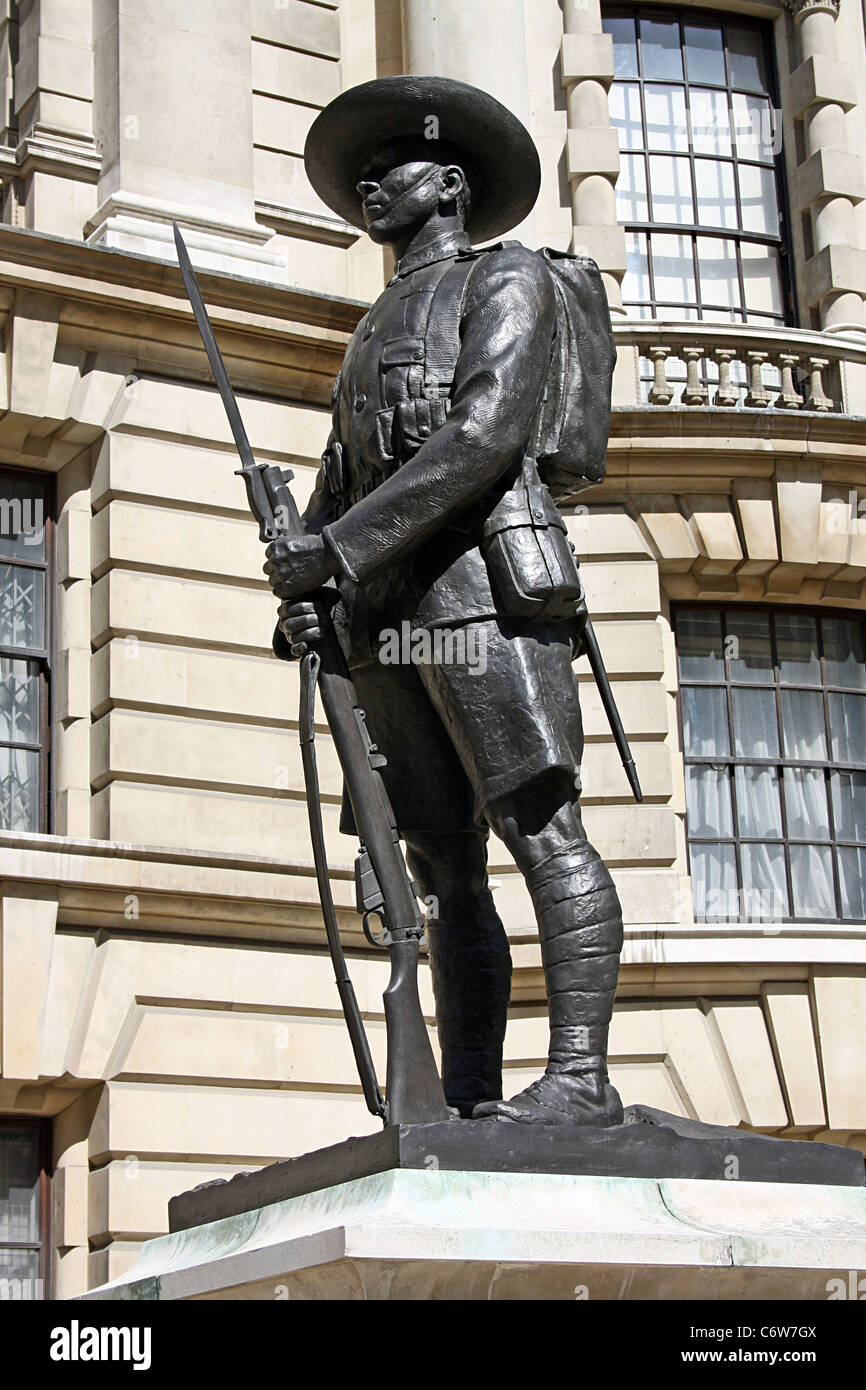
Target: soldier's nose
x: 365, y: 189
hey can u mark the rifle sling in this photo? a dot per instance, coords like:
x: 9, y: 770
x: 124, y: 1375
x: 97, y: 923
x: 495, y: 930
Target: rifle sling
x: 360, y: 1046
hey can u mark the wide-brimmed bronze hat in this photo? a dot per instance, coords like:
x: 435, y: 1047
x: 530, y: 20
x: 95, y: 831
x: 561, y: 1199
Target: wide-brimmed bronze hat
x: 348, y: 132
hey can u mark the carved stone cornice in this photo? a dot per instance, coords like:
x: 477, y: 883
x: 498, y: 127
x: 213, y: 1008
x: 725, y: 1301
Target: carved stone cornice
x: 801, y: 8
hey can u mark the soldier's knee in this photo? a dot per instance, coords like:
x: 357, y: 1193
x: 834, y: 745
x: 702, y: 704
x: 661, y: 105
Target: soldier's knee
x: 538, y: 819
x: 452, y: 869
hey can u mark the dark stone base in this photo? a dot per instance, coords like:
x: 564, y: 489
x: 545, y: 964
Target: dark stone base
x: 649, y: 1144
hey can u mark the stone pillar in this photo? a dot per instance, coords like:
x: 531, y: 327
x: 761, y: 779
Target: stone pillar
x: 483, y: 43
x: 52, y: 132
x: 593, y: 151
x: 173, y: 111
x: 829, y: 183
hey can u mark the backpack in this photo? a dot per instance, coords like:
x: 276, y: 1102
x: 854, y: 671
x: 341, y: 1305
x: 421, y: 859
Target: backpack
x: 574, y: 421
x: 569, y: 439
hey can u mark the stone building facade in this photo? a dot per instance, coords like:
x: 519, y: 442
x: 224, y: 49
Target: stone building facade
x: 168, y: 1007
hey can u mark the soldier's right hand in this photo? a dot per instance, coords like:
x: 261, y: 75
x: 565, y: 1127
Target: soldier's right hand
x: 301, y: 624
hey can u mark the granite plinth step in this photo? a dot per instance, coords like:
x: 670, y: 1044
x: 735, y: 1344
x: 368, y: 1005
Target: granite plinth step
x: 427, y: 1234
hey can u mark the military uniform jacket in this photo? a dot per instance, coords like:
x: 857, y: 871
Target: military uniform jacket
x: 415, y: 463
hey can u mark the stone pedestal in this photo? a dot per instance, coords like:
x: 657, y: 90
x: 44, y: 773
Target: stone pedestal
x: 427, y: 1234
x: 657, y: 1208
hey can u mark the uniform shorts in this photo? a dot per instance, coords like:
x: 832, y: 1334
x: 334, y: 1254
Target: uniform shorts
x: 495, y: 711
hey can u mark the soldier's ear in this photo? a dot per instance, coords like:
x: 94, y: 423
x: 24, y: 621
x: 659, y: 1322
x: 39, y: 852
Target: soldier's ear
x: 453, y: 183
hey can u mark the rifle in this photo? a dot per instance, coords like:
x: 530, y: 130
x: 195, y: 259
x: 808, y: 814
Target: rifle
x: 384, y: 889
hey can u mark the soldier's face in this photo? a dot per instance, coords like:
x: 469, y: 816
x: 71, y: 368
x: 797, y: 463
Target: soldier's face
x: 399, y: 195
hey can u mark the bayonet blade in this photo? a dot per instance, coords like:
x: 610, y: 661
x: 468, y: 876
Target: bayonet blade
x: 249, y: 469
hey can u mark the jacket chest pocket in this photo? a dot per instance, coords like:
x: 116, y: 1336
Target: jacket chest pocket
x: 412, y: 417
x: 402, y: 368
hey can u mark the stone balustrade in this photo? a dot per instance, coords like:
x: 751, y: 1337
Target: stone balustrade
x: 718, y: 365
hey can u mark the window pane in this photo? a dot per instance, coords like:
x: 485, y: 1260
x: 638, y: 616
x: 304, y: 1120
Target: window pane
x: 705, y: 722
x: 705, y: 58
x: 761, y: 278
x: 754, y: 128
x: 22, y: 604
x: 803, y: 726
x: 699, y: 645
x: 714, y: 186
x: 765, y: 888
x: 673, y: 268
x: 797, y: 649
x: 848, y: 728
x: 676, y: 313
x: 711, y: 123
x: 751, y: 655
x: 708, y: 801
x: 746, y: 59
x: 19, y: 789
x: 848, y: 791
x: 724, y: 316
x: 667, y: 127
x: 19, y: 701
x: 631, y: 198
x: 22, y: 518
x: 671, y: 181
x: 756, y: 732
x: 625, y: 114
x: 19, y: 1185
x: 660, y: 48
x: 760, y: 209
x: 806, y: 804
x: 852, y: 882
x: 844, y: 652
x: 714, y: 882
x: 717, y: 267
x: 758, y: 810
x: 624, y: 44
x: 636, y: 284
x: 812, y: 881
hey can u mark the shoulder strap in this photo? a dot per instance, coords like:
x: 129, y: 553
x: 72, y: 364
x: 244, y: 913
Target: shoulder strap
x: 442, y: 349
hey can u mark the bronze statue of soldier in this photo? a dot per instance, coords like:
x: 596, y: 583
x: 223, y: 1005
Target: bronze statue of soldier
x: 435, y: 413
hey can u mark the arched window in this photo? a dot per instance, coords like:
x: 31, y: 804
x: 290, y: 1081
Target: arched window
x: 699, y: 190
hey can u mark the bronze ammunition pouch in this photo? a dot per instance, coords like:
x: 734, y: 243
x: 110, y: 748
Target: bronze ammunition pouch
x: 529, y: 557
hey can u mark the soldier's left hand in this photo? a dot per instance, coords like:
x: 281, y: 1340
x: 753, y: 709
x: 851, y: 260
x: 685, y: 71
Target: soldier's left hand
x: 297, y: 565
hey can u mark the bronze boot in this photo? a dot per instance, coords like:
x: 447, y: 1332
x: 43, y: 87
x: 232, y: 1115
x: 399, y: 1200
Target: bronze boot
x: 580, y: 923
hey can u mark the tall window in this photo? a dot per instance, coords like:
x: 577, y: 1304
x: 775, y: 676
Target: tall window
x: 773, y: 707
x: 24, y: 651
x: 698, y: 190
x: 23, y: 1210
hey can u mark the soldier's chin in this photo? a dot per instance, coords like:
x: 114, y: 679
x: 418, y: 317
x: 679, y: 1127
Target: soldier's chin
x: 380, y: 230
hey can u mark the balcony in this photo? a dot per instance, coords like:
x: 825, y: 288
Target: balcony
x: 687, y: 365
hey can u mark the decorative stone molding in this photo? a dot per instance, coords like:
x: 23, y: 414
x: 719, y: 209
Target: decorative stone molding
x: 797, y: 535
x: 312, y: 226
x: 48, y: 152
x: 800, y: 8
